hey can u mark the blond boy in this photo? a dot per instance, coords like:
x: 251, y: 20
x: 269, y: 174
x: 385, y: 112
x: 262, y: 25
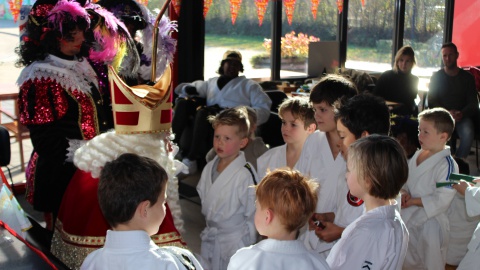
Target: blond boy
x: 228, y: 203
x: 424, y: 206
x: 285, y: 201
x: 255, y: 145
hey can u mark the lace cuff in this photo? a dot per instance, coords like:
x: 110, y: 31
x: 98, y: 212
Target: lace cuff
x: 73, y: 146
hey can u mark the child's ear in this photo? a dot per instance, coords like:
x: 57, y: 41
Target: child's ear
x: 269, y: 216
x: 444, y: 136
x: 142, y: 208
x: 243, y: 142
x: 311, y: 128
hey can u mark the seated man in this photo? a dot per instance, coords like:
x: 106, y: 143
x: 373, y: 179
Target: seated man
x: 453, y: 88
x: 226, y: 91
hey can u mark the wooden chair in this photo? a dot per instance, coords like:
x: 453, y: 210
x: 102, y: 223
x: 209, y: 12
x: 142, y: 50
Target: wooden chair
x: 17, y: 130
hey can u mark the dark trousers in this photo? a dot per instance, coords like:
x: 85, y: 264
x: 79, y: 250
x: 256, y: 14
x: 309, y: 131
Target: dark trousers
x: 193, y: 132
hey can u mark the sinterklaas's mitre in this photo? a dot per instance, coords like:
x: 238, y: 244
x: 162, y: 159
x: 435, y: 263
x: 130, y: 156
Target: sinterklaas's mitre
x: 141, y: 108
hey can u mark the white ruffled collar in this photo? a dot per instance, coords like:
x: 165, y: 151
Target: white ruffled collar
x: 71, y: 74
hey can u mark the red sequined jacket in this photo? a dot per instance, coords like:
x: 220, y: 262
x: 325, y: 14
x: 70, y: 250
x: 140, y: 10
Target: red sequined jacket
x: 60, y: 100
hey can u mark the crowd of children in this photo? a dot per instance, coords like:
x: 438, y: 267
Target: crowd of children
x: 375, y: 207
x: 339, y: 194
x: 343, y: 196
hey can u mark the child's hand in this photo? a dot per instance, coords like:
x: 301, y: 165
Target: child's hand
x: 318, y: 218
x: 413, y: 201
x: 462, y: 186
x: 330, y: 232
x: 312, y: 222
x: 405, y: 198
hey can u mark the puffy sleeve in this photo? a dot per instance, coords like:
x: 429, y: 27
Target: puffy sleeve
x: 41, y: 101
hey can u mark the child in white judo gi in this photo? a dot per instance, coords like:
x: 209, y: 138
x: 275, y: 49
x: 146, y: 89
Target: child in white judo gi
x: 356, y: 117
x: 376, y: 170
x: 298, y: 122
x: 424, y: 206
x: 285, y: 201
x: 225, y: 188
x: 131, y: 194
x: 255, y: 145
x: 472, y: 200
x: 321, y: 159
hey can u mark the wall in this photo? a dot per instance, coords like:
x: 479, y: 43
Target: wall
x: 466, y: 22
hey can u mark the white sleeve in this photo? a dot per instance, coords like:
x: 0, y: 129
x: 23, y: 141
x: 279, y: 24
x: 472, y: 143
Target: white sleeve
x: 260, y: 102
x: 439, y: 201
x: 472, y: 200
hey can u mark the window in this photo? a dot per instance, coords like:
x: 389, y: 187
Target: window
x: 305, y: 28
x: 370, y: 32
x: 424, y: 23
x: 246, y: 36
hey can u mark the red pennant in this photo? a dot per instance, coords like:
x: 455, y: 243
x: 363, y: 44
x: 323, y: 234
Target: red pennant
x: 15, y: 6
x: 363, y: 3
x: 289, y: 9
x: 340, y: 6
x: 234, y: 8
x: 261, y: 9
x: 314, y: 8
x: 206, y: 7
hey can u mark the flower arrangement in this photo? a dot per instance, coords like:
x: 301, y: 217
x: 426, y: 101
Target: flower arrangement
x: 292, y: 45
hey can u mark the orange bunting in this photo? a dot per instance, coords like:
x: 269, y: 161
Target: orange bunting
x: 261, y: 9
x: 289, y: 8
x: 15, y: 6
x: 363, y: 3
x: 176, y: 6
x: 234, y: 8
x: 340, y: 6
x: 206, y: 7
x: 314, y: 8
x: 143, y: 2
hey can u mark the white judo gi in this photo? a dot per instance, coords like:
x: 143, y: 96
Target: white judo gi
x: 462, y: 227
x: 135, y: 250
x: 376, y: 240
x: 238, y: 91
x: 229, y: 208
x: 278, y: 255
x: 274, y: 158
x: 317, y: 162
x: 472, y: 258
x: 428, y: 225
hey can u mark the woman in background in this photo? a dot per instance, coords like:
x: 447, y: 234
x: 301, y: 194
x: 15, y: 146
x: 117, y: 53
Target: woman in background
x: 399, y: 85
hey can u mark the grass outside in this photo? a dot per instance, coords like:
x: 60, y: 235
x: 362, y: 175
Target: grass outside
x: 238, y: 42
x: 367, y: 54
x: 255, y: 43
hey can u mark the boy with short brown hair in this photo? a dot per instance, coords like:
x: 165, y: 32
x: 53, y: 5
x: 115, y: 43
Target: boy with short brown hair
x: 131, y: 194
x: 298, y: 122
